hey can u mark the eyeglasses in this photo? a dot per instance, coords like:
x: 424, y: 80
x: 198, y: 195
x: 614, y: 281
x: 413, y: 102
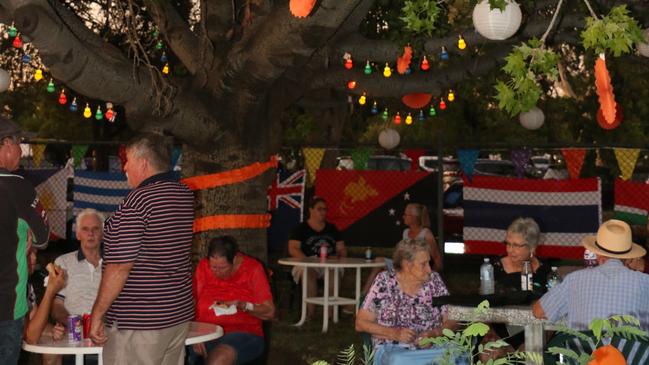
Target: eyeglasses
x: 515, y: 245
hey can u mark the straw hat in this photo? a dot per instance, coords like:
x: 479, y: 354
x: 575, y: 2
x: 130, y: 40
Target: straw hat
x: 613, y: 240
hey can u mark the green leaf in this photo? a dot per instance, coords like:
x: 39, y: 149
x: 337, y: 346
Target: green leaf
x: 616, y: 33
x: 448, y: 333
x: 497, y: 4
x: 476, y: 329
x: 419, y: 16
x: 565, y: 352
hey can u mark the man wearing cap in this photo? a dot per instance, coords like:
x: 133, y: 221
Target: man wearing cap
x: 19, y: 213
x: 600, y: 292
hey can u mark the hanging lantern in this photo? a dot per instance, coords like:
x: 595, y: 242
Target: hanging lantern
x: 387, y: 72
x: 12, y: 31
x: 26, y: 58
x: 442, y: 104
x: 38, y: 75
x: 50, y: 86
x: 349, y: 64
x: 385, y: 114
x: 73, y: 105
x: 397, y: 119
x: 425, y: 66
x: 351, y: 84
x: 62, y: 98
x: 98, y: 114
x: 421, y: 117
x: 432, y: 111
x: 301, y: 8
x: 17, y: 43
x: 165, y: 69
x: 619, y: 116
x: 87, y: 113
x: 409, y: 119
x: 163, y: 58
x: 643, y: 47
x: 496, y: 24
x: 362, y: 99
x: 451, y: 96
x: 368, y: 68
x: 532, y: 119
x: 375, y: 108
x: 443, y: 55
x: 461, y: 43
x: 389, y: 138
x: 4, y: 80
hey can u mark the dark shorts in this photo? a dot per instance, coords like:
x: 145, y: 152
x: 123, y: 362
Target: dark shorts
x: 247, y: 346
x: 11, y: 336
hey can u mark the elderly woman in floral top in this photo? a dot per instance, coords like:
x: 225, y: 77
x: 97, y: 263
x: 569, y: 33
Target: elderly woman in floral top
x: 399, y: 308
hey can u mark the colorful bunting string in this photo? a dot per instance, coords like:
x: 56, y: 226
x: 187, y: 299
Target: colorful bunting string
x: 574, y: 160
x: 626, y: 160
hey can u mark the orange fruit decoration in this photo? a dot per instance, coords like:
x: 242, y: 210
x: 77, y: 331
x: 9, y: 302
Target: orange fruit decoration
x: 608, y: 355
x: 301, y: 8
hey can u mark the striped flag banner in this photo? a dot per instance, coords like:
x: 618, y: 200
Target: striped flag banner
x: 103, y: 191
x: 566, y: 211
x: 631, y: 201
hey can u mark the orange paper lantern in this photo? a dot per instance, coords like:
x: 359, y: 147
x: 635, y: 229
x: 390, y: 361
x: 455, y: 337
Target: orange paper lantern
x: 417, y: 100
x: 619, y: 115
x: 301, y: 8
x: 404, y: 61
x: 605, y: 90
x: 608, y: 355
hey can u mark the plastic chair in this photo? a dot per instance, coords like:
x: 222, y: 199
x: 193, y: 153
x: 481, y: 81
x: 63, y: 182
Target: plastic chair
x: 636, y: 352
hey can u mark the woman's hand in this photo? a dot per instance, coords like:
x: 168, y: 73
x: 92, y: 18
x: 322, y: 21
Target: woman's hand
x: 404, y: 335
x: 58, y: 331
x: 56, y: 278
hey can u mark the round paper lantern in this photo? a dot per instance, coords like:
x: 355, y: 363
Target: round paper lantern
x: 301, y: 8
x: 532, y: 119
x: 607, y: 355
x: 495, y: 24
x: 416, y: 100
x: 643, y: 48
x: 4, y: 80
x: 389, y: 138
x: 619, y: 116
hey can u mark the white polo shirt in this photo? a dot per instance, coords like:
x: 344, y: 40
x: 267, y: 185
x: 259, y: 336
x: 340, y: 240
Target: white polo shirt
x: 82, y: 283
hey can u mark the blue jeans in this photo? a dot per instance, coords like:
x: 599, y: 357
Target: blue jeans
x: 397, y: 355
x: 11, y: 336
x: 247, y: 346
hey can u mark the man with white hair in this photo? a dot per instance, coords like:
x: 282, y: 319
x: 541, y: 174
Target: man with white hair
x: 600, y: 292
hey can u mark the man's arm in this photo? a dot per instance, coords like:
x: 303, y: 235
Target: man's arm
x: 59, y: 313
x: 294, y: 249
x: 538, y: 311
x: 112, y: 283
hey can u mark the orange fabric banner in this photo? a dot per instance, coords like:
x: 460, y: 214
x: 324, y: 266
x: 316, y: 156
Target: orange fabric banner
x: 229, y: 177
x: 574, y: 160
x: 231, y: 221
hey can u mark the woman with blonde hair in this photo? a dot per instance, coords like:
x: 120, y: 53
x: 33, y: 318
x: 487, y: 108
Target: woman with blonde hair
x: 416, y: 217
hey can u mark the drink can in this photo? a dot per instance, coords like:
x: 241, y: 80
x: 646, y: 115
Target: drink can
x: 74, y: 328
x: 323, y: 252
x: 86, y: 325
x: 368, y: 253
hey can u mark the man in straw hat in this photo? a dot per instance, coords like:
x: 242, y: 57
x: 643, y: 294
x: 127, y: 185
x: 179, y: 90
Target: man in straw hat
x: 600, y: 292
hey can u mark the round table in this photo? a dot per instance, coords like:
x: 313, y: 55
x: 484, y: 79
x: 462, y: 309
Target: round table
x: 325, y: 300
x: 198, y: 332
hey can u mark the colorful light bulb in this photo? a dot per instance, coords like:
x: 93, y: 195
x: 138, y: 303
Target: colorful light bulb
x: 368, y: 68
x: 409, y: 119
x: 422, y: 117
x: 385, y: 114
x: 442, y: 104
x: 159, y: 45
x: 375, y: 108
x: 62, y: 98
x: 432, y: 111
x: 17, y: 43
x: 73, y: 105
x: 443, y: 55
x: 26, y: 58
x: 451, y: 96
x: 163, y: 57
x: 98, y: 114
x: 349, y: 64
x: 12, y: 31
x: 408, y: 70
x: 38, y: 75
x: 397, y: 119
x: 461, y: 43
x: 351, y: 84
x: 362, y: 99
x: 165, y: 69
x: 110, y: 115
x: 425, y: 66
x: 50, y: 86
x: 387, y: 72
x: 87, y: 113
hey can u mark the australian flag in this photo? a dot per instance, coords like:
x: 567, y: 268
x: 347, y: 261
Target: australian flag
x: 285, y: 204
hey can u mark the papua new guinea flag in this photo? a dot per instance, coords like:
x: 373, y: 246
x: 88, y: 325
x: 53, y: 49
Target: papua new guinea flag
x: 566, y: 211
x: 631, y: 201
x: 367, y: 205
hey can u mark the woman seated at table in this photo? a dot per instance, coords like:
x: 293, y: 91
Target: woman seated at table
x: 400, y: 308
x: 231, y: 290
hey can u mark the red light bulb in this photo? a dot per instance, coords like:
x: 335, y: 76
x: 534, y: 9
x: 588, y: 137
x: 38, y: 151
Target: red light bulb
x: 351, y: 84
x: 425, y: 66
x: 442, y: 104
x: 17, y: 43
x: 397, y: 119
x: 62, y: 98
x: 349, y: 64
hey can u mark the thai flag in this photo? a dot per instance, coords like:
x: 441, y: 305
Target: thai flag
x: 103, y: 191
x: 631, y: 201
x: 286, y: 204
x: 566, y: 211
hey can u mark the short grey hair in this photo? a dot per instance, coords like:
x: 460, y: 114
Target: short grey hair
x: 89, y: 211
x: 528, y: 228
x: 406, y: 251
x: 154, y: 148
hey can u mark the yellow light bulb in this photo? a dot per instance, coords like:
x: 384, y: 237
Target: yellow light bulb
x: 451, y: 95
x: 461, y: 43
x: 38, y: 76
x: 87, y: 113
x: 387, y: 72
x: 362, y: 100
x: 409, y: 119
x: 165, y: 69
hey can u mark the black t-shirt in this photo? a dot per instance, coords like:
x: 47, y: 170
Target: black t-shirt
x: 507, y: 283
x: 311, y: 240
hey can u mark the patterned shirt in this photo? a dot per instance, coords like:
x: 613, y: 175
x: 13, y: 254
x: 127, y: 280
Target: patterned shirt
x: 394, y: 308
x: 83, y: 278
x: 599, y: 292
x: 152, y: 228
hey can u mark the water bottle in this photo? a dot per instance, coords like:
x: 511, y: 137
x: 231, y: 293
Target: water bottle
x: 527, y: 284
x: 590, y: 259
x: 487, y: 278
x: 554, y: 278
x: 368, y: 254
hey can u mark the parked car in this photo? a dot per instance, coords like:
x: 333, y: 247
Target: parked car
x: 377, y: 162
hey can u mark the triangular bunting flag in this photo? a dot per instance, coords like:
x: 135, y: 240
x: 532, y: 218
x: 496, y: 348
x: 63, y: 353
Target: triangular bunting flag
x: 78, y: 153
x: 574, y: 160
x: 626, y: 159
x: 312, y: 159
x: 37, y: 153
x: 360, y: 157
x: 467, y: 160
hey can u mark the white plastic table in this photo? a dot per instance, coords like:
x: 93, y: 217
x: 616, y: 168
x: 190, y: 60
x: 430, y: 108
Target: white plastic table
x: 198, y: 332
x: 326, y: 301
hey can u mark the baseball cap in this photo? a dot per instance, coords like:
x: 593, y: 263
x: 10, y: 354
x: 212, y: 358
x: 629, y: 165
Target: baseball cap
x: 10, y: 128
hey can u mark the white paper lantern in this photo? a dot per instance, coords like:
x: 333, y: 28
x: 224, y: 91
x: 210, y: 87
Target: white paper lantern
x: 533, y: 119
x: 495, y: 24
x: 643, y: 48
x: 4, y: 80
x: 389, y: 138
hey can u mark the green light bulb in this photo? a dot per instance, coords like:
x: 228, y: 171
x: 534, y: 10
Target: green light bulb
x: 385, y: 114
x: 432, y: 111
x: 50, y: 87
x: 368, y: 68
x: 99, y: 115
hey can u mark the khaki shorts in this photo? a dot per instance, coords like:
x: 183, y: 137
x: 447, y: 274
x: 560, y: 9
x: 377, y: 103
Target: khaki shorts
x: 298, y: 270
x: 153, y: 347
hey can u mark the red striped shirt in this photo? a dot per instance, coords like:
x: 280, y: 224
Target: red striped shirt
x: 153, y: 229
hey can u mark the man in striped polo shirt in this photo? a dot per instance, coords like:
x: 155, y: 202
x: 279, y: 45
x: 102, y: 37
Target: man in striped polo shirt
x: 145, y: 294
